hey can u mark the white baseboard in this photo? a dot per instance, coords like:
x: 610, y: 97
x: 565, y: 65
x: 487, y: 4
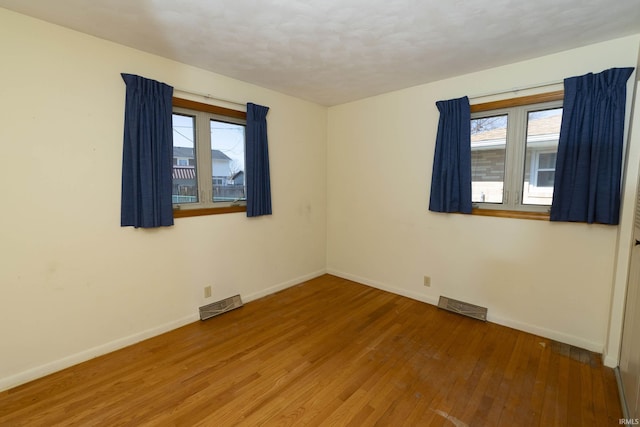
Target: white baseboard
x: 57, y: 365
x: 83, y: 356
x: 610, y: 361
x: 384, y: 287
x: 511, y: 323
x: 281, y: 286
x: 549, y: 333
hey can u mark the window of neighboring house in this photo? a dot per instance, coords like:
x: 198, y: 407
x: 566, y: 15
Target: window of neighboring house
x: 513, y: 154
x: 208, y: 151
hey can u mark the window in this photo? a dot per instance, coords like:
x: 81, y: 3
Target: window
x: 513, y: 153
x: 208, y: 159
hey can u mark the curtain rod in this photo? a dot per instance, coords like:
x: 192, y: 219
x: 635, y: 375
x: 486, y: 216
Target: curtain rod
x: 517, y: 89
x: 209, y: 96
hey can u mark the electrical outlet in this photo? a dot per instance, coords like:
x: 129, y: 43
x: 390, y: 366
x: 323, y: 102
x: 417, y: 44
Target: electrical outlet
x: 207, y: 291
x: 427, y: 281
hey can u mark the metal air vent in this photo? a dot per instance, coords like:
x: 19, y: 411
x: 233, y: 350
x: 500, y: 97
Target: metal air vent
x: 464, y: 308
x: 219, y: 307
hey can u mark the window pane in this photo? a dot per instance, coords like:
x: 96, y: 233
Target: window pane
x: 547, y: 161
x: 488, y: 143
x: 185, y: 185
x: 545, y: 178
x: 543, y: 129
x: 227, y: 157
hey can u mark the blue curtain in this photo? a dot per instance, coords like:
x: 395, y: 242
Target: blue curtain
x: 451, y: 178
x: 257, y: 156
x: 589, y: 161
x: 146, y: 154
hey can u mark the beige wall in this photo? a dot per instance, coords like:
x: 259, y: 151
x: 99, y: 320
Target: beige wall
x: 73, y: 283
x: 553, y: 279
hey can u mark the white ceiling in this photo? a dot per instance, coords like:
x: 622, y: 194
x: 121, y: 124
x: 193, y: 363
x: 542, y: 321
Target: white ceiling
x: 335, y: 51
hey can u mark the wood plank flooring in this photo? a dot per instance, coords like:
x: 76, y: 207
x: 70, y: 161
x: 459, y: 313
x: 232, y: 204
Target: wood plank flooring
x: 328, y: 352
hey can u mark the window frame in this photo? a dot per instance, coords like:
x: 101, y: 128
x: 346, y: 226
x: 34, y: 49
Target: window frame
x: 188, y: 107
x: 514, y: 170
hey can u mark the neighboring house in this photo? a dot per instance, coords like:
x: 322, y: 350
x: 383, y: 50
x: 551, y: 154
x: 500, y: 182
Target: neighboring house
x: 221, y: 163
x: 226, y: 184
x: 184, y: 184
x: 488, y: 155
x: 237, y: 178
x: 183, y: 156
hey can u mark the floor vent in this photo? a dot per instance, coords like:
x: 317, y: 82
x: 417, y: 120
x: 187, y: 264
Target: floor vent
x: 219, y: 307
x: 464, y: 308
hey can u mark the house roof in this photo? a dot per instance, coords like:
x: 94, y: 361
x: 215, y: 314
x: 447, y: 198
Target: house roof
x: 188, y: 153
x: 537, y: 128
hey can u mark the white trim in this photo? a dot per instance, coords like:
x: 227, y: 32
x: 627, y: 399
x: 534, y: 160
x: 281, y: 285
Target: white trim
x: 489, y: 144
x: 283, y: 285
x: 610, y: 361
x: 625, y: 238
x: 208, y: 96
x: 525, y: 327
x: 555, y: 85
x: 204, y: 161
x: 382, y: 286
x: 82, y: 356
x: 517, y: 143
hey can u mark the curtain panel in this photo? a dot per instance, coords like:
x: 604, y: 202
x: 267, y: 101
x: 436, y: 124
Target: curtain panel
x: 257, y: 157
x: 451, y: 177
x: 589, y: 160
x: 146, y: 154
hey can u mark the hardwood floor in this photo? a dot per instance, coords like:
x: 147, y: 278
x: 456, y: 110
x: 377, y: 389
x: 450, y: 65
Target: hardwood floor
x: 328, y: 352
